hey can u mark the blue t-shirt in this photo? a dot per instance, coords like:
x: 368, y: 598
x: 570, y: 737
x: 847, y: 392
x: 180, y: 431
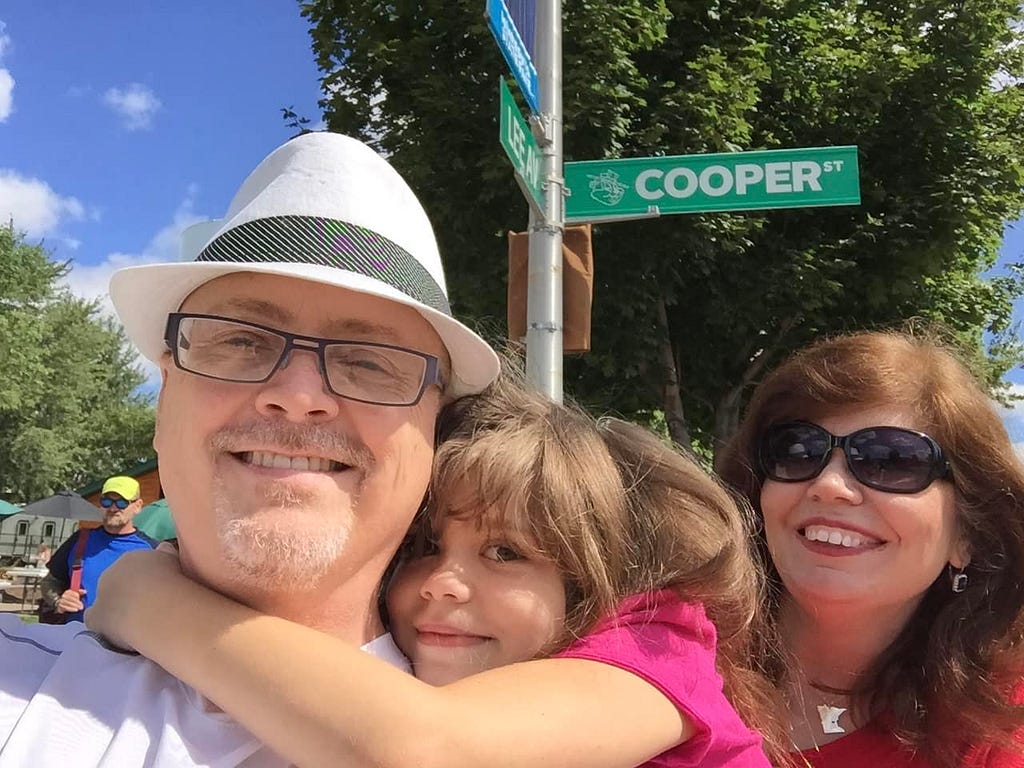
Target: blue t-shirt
x: 101, y: 550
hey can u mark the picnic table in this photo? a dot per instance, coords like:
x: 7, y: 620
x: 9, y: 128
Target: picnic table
x: 30, y: 576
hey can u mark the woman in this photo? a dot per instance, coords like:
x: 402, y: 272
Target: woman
x: 42, y: 555
x: 893, y: 516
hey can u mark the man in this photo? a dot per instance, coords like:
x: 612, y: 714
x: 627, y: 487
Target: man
x: 92, y: 551
x: 305, y: 354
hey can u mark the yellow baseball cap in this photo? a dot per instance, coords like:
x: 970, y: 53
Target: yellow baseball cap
x: 125, y: 487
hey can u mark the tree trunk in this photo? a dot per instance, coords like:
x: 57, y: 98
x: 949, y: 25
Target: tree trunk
x: 671, y: 399
x: 727, y: 420
x: 727, y: 414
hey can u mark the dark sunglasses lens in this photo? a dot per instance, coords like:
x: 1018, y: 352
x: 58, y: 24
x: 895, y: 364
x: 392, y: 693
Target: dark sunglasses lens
x: 119, y: 503
x: 891, y: 459
x: 794, y: 452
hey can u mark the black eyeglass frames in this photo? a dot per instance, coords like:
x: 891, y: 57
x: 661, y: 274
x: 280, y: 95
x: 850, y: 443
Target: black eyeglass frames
x: 233, y: 350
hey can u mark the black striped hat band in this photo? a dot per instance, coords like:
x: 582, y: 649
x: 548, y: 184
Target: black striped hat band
x: 329, y: 243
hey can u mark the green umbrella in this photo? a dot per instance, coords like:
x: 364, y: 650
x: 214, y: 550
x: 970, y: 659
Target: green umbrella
x: 155, y: 521
x: 6, y: 508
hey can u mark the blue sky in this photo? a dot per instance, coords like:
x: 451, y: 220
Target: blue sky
x: 128, y: 120
x: 1012, y: 251
x: 123, y: 122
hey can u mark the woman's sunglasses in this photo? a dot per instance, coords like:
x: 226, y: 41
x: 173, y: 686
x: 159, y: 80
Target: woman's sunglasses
x: 106, y: 502
x: 890, y: 459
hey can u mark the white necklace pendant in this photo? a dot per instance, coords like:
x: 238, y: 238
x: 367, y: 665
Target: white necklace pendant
x: 830, y: 718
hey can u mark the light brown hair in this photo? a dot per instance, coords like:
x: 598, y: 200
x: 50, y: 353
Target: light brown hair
x: 619, y: 511
x: 944, y: 683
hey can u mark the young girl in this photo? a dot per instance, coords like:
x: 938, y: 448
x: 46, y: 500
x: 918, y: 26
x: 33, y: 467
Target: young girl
x: 562, y: 591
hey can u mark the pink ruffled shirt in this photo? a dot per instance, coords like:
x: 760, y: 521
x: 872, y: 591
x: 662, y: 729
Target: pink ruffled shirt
x: 671, y: 644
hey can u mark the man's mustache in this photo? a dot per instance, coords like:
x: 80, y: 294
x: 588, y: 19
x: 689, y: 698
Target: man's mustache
x: 304, y: 440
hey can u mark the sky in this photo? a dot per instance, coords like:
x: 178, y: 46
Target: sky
x: 123, y: 122
x: 1012, y: 251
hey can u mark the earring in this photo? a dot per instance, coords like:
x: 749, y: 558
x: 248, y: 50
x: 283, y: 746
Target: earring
x: 957, y: 579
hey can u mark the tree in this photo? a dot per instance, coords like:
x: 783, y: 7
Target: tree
x: 298, y: 123
x: 67, y: 377
x: 706, y: 304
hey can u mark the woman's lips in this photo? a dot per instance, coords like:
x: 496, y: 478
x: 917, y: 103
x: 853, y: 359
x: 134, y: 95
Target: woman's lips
x: 850, y: 545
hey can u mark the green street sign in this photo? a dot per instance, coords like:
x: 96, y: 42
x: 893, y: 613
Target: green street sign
x: 520, y: 146
x: 727, y: 181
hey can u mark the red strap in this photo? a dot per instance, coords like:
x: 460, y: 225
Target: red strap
x: 76, y: 566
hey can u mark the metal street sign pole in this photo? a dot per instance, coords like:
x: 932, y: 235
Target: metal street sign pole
x: 544, y: 287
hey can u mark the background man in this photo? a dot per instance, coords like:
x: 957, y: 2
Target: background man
x: 93, y: 550
x: 305, y: 355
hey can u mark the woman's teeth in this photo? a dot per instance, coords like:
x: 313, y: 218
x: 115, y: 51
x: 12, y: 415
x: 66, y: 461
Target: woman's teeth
x: 835, y: 536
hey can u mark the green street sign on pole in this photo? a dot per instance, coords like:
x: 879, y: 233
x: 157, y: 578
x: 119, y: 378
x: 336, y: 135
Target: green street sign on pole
x: 727, y: 181
x: 520, y: 146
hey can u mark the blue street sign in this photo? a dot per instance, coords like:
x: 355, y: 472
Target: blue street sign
x: 512, y: 47
x: 524, y: 16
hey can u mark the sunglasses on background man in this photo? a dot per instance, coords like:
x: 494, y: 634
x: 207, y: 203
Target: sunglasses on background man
x: 106, y: 502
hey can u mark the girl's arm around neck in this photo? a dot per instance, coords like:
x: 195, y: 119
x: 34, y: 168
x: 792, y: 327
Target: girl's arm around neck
x: 319, y: 701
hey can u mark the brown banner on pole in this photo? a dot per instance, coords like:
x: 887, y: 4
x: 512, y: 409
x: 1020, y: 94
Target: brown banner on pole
x: 577, y: 286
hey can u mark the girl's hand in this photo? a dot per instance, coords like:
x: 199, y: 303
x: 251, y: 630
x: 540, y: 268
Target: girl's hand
x: 128, y: 589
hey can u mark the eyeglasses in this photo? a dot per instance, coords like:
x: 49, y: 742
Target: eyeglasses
x: 106, y: 502
x: 890, y: 459
x: 232, y: 350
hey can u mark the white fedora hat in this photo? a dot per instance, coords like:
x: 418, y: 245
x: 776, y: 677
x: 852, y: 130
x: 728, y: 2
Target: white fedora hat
x: 326, y: 208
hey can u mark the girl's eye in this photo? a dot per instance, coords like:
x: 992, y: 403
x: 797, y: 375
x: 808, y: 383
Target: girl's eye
x: 502, y: 553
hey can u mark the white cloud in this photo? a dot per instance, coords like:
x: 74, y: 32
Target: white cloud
x: 1013, y: 418
x: 6, y: 94
x: 33, y: 205
x: 1003, y: 79
x: 136, y: 104
x: 90, y: 281
x: 6, y: 79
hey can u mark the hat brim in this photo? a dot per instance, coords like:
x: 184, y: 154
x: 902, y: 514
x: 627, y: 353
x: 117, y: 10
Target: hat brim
x: 145, y: 295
